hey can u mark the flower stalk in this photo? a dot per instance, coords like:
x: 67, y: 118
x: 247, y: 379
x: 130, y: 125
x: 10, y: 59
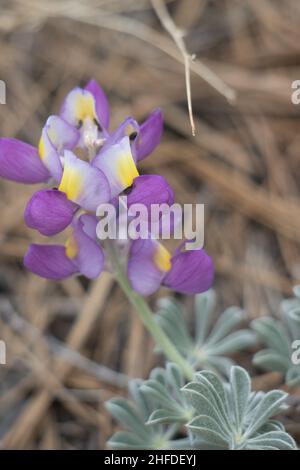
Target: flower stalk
x: 148, y: 319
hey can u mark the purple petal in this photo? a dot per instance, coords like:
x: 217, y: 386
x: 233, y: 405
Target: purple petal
x: 61, y: 134
x: 84, y: 184
x: 89, y: 225
x: 192, y: 272
x: 49, y: 261
x: 50, y: 156
x: 57, y: 135
x: 90, y: 257
x: 150, y: 135
x: 49, y: 211
x: 101, y: 102
x: 21, y: 162
x: 150, y: 189
x: 78, y: 105
x: 144, y: 274
x: 128, y: 128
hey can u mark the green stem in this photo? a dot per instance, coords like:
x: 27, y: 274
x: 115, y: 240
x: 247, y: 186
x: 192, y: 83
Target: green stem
x: 148, y: 319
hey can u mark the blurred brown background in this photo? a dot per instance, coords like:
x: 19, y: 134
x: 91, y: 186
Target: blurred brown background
x: 243, y: 164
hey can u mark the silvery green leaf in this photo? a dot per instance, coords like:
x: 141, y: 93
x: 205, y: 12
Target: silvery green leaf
x: 288, y: 304
x: 141, y: 401
x: 144, y: 429
x: 207, y: 428
x: 255, y: 398
x: 213, y: 386
x: 271, y: 360
x: 209, y: 423
x: 214, y: 383
x: 293, y: 376
x: 204, y: 307
x: 217, y: 415
x: 169, y: 303
x: 199, y: 394
x: 209, y: 343
x: 293, y: 320
x: 296, y: 290
x: 161, y: 416
x: 181, y: 444
x: 127, y: 414
x: 234, y: 342
x: 158, y: 393
x: 163, y: 389
x: 158, y: 375
x: 225, y: 324
x: 174, y: 375
x: 269, y: 405
x: 278, y: 439
x: 202, y: 404
x: 172, y: 311
x: 246, y: 424
x: 240, y: 389
x: 272, y: 425
x: 272, y: 333
x: 199, y: 443
x: 171, y: 320
x: 221, y: 364
x: 279, y: 336
x: 260, y: 447
x: 129, y: 441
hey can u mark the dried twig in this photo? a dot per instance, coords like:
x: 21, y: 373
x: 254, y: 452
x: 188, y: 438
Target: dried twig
x: 166, y: 20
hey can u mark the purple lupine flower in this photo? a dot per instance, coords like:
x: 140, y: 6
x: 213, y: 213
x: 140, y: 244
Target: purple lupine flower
x: 109, y: 169
x: 80, y: 255
x: 150, y: 265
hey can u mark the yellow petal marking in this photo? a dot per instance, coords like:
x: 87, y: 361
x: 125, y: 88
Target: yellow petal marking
x: 71, y: 247
x: 71, y: 183
x: 162, y: 258
x: 41, y: 148
x: 85, y: 107
x: 127, y: 170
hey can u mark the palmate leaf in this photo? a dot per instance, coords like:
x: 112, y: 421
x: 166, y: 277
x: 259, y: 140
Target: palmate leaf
x: 211, y: 342
x: 235, y: 418
x: 278, y: 336
x: 217, y: 415
x: 164, y: 389
x: 155, y: 414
